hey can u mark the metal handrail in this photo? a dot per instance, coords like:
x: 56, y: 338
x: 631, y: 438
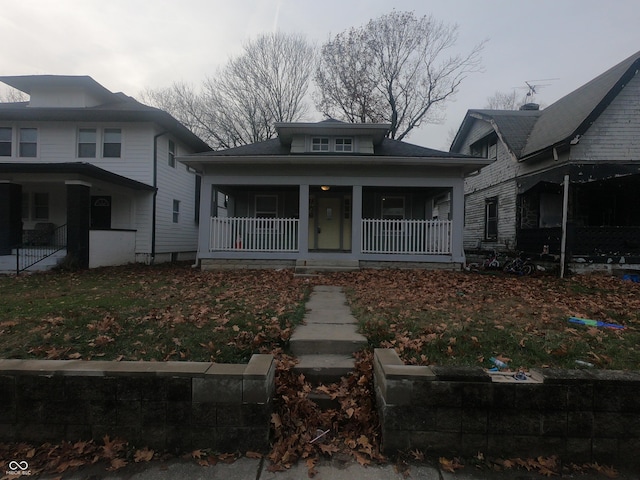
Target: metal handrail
x: 39, y: 246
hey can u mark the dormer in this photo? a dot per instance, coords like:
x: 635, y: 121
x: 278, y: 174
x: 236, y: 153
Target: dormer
x: 332, y: 137
x: 60, y: 91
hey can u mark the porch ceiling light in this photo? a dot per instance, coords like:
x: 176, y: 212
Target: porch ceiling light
x: 325, y: 188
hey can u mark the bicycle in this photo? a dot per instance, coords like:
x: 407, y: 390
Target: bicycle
x: 519, y: 266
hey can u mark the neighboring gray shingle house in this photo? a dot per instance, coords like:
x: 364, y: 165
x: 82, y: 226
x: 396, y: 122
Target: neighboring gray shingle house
x: 331, y: 195
x: 593, y: 136
x: 99, y: 167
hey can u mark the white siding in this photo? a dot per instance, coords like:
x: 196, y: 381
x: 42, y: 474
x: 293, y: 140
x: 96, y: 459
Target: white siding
x: 615, y: 134
x: 494, y: 180
x: 175, y: 183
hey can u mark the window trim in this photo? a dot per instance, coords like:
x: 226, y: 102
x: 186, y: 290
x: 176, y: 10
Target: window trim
x: 22, y: 143
x: 176, y: 211
x: 105, y: 131
x: 265, y: 213
x: 35, y: 206
x: 7, y: 142
x: 94, y: 143
x: 321, y: 143
x: 489, y: 220
x: 386, y: 216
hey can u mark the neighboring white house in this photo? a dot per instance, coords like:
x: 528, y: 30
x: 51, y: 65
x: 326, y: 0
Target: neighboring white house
x: 96, y: 170
x: 331, y: 195
x: 591, y: 138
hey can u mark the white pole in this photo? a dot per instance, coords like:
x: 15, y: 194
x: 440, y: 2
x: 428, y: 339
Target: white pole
x: 563, y: 241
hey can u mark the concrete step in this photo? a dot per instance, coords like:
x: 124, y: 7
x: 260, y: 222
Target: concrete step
x: 317, y: 266
x: 319, y: 338
x: 324, y: 368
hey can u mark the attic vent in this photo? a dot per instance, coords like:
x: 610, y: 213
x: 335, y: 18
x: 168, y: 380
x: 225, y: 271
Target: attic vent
x: 530, y: 106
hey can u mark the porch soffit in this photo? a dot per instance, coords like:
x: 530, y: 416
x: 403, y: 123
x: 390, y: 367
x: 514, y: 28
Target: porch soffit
x: 71, y: 171
x: 466, y: 164
x: 578, y: 173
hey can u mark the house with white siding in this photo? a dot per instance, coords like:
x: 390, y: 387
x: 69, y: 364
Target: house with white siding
x: 329, y: 196
x: 566, y: 179
x: 93, y: 175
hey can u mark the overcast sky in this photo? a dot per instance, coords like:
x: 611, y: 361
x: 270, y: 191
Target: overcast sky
x: 128, y: 45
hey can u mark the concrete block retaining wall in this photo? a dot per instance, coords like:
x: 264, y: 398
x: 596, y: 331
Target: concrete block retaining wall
x: 162, y: 405
x: 579, y: 415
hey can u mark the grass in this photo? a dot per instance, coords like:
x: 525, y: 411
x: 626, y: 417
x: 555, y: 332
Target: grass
x: 148, y: 313
x: 172, y: 312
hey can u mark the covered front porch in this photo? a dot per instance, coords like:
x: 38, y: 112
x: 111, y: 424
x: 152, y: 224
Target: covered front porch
x: 75, y: 212
x: 328, y: 222
x: 602, y: 219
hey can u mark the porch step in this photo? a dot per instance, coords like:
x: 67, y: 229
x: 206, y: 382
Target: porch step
x: 319, y: 339
x: 307, y: 267
x: 324, y: 368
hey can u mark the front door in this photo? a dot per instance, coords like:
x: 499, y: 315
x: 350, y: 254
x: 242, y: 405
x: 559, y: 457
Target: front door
x: 329, y: 223
x: 101, y: 212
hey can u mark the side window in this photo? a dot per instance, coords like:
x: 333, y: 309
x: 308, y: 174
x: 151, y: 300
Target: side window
x: 491, y: 218
x: 112, y: 143
x: 176, y: 211
x: 5, y: 141
x: 87, y: 143
x: 28, y: 142
x: 172, y: 154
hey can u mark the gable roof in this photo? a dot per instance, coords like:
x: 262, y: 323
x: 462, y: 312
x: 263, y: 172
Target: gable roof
x: 512, y: 126
x: 530, y: 132
x: 573, y: 113
x: 116, y: 107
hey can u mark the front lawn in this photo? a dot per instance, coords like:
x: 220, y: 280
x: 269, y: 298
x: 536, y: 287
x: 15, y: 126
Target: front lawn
x: 173, y: 312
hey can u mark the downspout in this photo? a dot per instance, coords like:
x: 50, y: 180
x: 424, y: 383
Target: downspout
x: 155, y: 195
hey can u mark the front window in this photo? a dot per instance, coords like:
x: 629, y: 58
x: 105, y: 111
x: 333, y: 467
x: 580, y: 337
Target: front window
x: 5, y: 141
x: 491, y: 219
x: 176, y: 211
x: 393, y: 208
x: 28, y: 142
x: 266, y: 206
x: 172, y: 154
x: 320, y: 144
x: 41, y: 206
x: 87, y: 143
x: 112, y: 143
x: 344, y: 145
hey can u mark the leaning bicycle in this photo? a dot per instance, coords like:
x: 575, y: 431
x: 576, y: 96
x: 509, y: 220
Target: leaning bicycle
x: 519, y: 266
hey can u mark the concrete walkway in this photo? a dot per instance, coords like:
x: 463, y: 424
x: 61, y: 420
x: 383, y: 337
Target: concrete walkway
x: 256, y: 469
x: 324, y: 345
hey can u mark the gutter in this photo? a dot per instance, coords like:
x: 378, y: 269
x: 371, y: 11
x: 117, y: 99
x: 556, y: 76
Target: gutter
x: 155, y: 194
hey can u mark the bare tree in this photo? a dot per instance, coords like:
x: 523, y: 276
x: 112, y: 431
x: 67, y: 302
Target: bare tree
x: 265, y: 84
x: 395, y: 69
x: 503, y: 101
x: 11, y: 95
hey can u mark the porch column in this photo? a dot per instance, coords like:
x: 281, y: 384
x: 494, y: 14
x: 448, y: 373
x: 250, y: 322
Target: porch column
x: 356, y: 221
x: 10, y: 216
x: 303, y: 224
x: 78, y: 221
x: 457, y: 221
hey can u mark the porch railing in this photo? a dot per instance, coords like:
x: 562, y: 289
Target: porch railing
x: 40, y: 245
x: 406, y: 236
x: 254, y: 234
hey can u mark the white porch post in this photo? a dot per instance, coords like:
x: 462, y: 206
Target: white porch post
x: 356, y: 221
x: 457, y: 221
x: 204, y: 232
x: 303, y: 226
